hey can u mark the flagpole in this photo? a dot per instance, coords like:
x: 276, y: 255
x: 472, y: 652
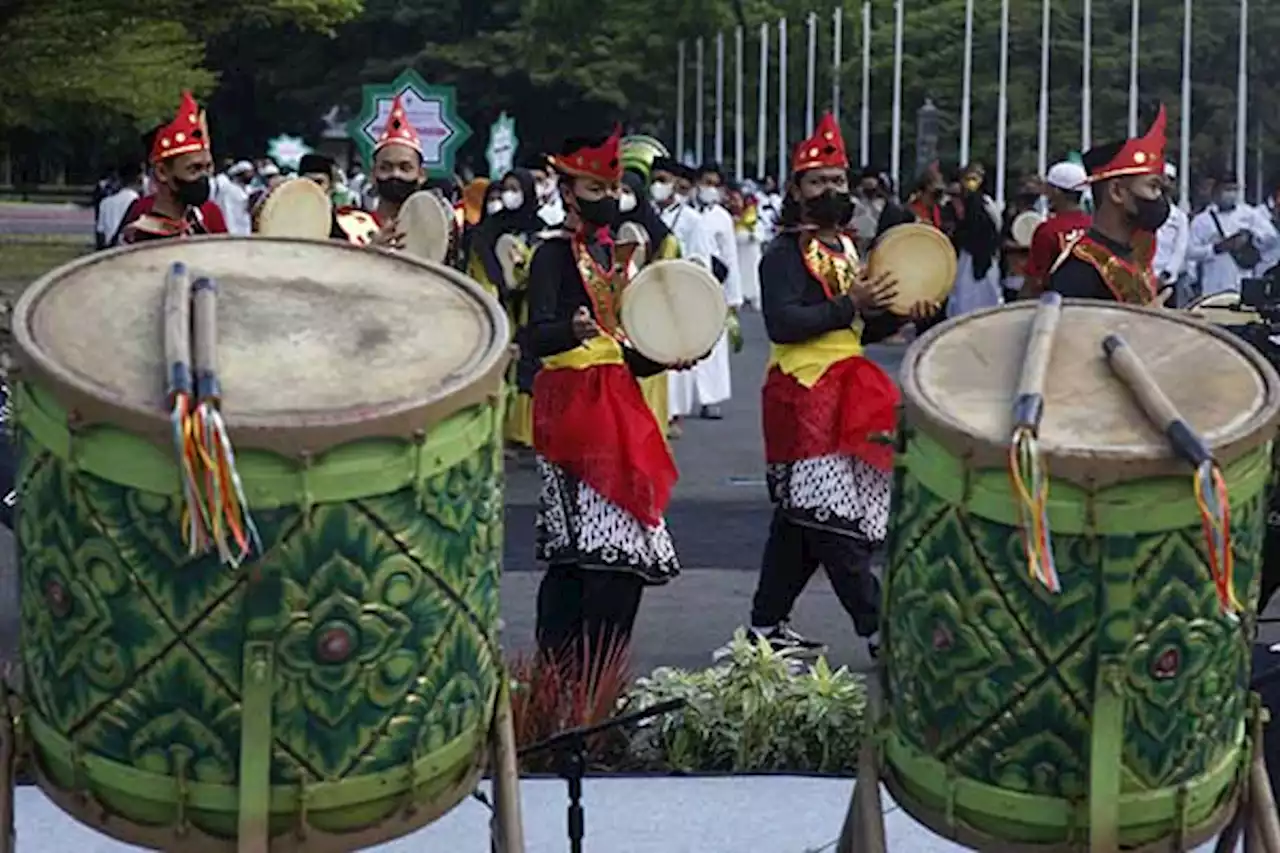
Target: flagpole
x: 1184, y: 147
x: 739, y: 132
x: 698, y: 102
x: 811, y: 74
x: 865, y: 129
x: 1042, y: 154
x: 1242, y: 96
x: 680, y: 63
x: 762, y: 113
x: 966, y: 85
x: 837, y: 29
x: 1002, y: 118
x: 782, y: 100
x: 895, y: 141
x: 720, y: 99
x: 1135, y: 21
x: 1086, y: 91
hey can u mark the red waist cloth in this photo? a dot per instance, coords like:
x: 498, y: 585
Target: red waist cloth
x: 841, y: 415
x: 595, y: 424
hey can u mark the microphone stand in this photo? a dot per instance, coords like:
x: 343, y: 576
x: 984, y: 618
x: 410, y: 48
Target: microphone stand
x: 570, y: 748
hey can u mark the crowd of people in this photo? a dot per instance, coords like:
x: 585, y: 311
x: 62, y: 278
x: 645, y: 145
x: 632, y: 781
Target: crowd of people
x: 1104, y: 228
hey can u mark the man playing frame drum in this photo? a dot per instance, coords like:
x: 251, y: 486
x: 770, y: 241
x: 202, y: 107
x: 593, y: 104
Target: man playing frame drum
x: 180, y: 205
x: 397, y: 173
x: 1112, y: 260
x: 825, y: 405
x: 606, y: 469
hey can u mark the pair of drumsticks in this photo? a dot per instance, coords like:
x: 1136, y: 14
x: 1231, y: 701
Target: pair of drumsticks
x: 1030, y: 480
x: 215, y: 513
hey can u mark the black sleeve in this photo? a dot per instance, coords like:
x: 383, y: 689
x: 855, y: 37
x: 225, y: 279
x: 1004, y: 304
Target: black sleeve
x: 551, y: 301
x: 881, y: 326
x: 789, y: 317
x: 893, y: 214
x: 1076, y: 279
x: 640, y: 366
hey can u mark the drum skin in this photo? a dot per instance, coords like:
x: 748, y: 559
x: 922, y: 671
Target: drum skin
x: 377, y: 590
x: 992, y: 681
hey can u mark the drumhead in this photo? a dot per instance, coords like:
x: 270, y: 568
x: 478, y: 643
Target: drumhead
x: 318, y: 342
x: 1223, y: 309
x: 921, y: 258
x: 509, y: 249
x: 1024, y: 226
x: 296, y: 208
x: 959, y: 380
x: 674, y: 311
x: 426, y: 223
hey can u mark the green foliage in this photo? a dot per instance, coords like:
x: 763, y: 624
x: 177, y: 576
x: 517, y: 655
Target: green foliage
x: 756, y: 713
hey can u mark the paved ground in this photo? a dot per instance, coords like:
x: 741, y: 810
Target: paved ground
x: 30, y: 219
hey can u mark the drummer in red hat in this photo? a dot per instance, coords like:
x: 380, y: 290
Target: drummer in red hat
x: 827, y: 409
x: 1112, y: 260
x: 606, y: 468
x: 398, y: 171
x: 182, y: 167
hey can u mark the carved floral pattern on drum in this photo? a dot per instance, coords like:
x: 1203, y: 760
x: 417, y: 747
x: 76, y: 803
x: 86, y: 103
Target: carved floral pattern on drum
x: 385, y: 645
x: 993, y: 675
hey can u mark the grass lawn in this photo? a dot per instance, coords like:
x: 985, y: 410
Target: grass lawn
x: 24, y: 259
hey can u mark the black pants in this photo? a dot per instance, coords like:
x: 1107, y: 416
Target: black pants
x: 584, y: 614
x: 791, y: 556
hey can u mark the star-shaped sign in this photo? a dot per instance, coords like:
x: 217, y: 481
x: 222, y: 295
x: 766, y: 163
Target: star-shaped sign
x: 288, y: 151
x: 431, y: 110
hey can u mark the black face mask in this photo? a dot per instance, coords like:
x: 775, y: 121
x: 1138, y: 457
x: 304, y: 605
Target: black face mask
x: 396, y: 190
x: 191, y: 193
x: 602, y: 213
x: 1149, y: 213
x: 829, y: 210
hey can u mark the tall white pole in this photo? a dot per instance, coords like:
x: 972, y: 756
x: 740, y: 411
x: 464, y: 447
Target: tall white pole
x: 1086, y: 89
x: 837, y: 31
x: 698, y: 106
x: 811, y: 74
x: 1184, y: 147
x: 782, y: 101
x: 680, y: 63
x: 739, y: 132
x: 762, y: 113
x: 895, y: 136
x: 1135, y: 21
x: 1042, y: 151
x: 865, y: 127
x: 966, y: 85
x: 1242, y: 97
x: 720, y: 99
x: 1002, y: 117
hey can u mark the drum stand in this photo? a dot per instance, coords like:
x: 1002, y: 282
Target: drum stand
x: 1255, y: 812
x: 505, y: 826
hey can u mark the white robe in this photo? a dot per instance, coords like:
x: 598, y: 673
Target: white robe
x: 972, y: 293
x: 697, y: 242
x: 749, y: 264
x: 712, y: 381
x: 1219, y: 272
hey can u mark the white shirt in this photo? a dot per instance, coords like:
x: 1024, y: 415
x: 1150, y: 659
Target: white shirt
x: 1218, y: 270
x: 1170, y: 261
x: 724, y: 239
x: 112, y: 210
x: 692, y: 235
x: 232, y: 198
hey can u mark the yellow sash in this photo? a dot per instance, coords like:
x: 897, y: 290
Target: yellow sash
x: 806, y: 362
x: 600, y: 350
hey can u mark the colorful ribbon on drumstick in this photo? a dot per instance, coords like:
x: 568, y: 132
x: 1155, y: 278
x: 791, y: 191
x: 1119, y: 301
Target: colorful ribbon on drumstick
x: 1210, y: 486
x: 1027, y: 473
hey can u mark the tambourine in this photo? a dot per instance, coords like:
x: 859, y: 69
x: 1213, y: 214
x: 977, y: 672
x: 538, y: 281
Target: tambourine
x: 674, y: 311
x: 427, y: 224
x: 296, y: 208
x: 922, y: 261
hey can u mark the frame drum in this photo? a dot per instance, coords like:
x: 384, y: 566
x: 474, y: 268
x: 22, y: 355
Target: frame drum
x: 922, y: 260
x: 363, y: 392
x: 674, y: 311
x: 511, y: 252
x: 1223, y: 309
x: 1015, y: 714
x: 1024, y: 226
x: 633, y: 234
x: 427, y: 223
x: 296, y: 208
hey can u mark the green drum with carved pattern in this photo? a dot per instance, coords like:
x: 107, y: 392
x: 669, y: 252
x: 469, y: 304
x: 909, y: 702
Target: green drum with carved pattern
x: 1112, y: 712
x: 336, y: 689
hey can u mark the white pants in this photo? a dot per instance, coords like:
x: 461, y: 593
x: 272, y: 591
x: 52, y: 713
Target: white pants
x: 749, y: 270
x: 707, y: 384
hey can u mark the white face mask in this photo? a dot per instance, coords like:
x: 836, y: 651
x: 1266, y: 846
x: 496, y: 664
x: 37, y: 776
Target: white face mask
x: 708, y: 195
x: 627, y: 202
x: 512, y: 199
x: 661, y: 191
x: 546, y: 190
x: 494, y: 206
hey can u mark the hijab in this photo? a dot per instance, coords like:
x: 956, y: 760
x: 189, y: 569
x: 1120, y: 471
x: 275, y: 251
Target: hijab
x: 523, y: 221
x: 644, y: 213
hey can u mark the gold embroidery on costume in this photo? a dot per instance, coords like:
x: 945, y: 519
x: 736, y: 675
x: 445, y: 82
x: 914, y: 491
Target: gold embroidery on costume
x: 835, y: 271
x: 1130, y: 282
x: 604, y: 288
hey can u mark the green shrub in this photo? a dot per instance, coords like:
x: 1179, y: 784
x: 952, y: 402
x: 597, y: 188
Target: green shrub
x: 760, y: 711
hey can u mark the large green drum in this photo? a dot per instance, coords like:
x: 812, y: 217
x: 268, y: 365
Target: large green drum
x: 335, y: 691
x: 1115, y: 709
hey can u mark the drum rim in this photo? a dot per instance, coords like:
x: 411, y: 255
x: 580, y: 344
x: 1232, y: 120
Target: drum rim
x: 900, y: 232
x: 1092, y: 468
x: 683, y: 263
x: 445, y: 221
x: 1026, y: 214
x: 292, y: 435
x: 270, y: 200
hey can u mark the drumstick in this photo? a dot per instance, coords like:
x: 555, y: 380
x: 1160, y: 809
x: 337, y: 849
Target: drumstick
x: 1028, y: 406
x: 204, y: 300
x: 177, y: 331
x: 1155, y: 405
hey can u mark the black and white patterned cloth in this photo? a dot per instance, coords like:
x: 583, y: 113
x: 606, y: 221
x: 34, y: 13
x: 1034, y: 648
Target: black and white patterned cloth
x: 838, y: 493
x: 578, y: 525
